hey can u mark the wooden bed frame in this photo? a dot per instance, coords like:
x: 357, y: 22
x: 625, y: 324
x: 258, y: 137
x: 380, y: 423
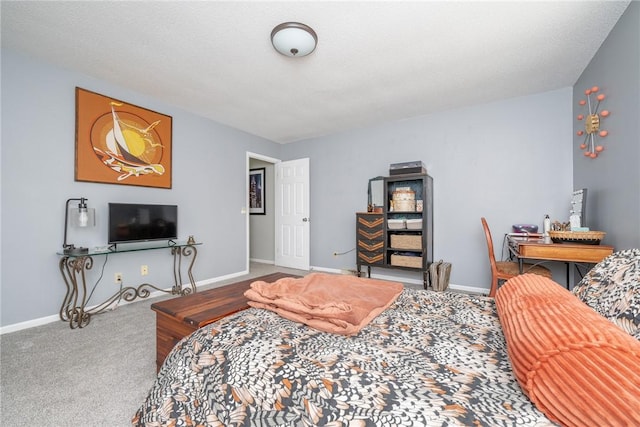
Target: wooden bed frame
x: 178, y: 317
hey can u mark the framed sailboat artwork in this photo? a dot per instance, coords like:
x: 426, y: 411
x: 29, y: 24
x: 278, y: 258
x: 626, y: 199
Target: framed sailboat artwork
x: 121, y: 143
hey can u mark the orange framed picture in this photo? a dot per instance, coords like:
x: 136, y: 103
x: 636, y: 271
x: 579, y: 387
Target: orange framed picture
x: 121, y: 143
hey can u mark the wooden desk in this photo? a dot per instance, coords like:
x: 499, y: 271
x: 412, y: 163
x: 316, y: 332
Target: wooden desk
x: 543, y: 249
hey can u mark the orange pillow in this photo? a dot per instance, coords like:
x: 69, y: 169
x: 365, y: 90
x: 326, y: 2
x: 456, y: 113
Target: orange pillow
x: 577, y: 367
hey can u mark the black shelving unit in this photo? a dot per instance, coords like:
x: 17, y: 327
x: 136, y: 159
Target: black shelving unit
x: 399, y: 248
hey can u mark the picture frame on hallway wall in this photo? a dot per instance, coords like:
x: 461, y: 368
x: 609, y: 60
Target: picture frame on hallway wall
x: 256, y: 192
x: 121, y: 143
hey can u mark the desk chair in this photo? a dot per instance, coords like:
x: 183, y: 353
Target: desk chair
x: 505, y: 270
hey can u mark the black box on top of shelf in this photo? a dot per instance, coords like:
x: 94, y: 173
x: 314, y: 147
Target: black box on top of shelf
x: 416, y: 166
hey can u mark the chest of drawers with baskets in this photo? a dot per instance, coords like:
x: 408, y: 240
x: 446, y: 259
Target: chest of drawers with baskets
x: 401, y: 236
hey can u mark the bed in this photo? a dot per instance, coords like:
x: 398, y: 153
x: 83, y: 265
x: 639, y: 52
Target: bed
x: 429, y: 358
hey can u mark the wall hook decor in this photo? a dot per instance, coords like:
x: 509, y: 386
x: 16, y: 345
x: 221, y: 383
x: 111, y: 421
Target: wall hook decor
x: 592, y: 124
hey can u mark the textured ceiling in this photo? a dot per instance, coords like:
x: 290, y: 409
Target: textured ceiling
x: 375, y: 61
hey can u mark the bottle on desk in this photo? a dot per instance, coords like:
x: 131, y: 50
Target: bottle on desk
x: 546, y: 226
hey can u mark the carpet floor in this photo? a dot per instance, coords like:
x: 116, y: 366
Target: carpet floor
x: 52, y: 376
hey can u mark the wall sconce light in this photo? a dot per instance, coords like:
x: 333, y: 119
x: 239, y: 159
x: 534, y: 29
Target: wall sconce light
x: 294, y: 39
x: 81, y: 217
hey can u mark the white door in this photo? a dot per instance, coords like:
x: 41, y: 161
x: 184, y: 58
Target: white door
x: 292, y: 214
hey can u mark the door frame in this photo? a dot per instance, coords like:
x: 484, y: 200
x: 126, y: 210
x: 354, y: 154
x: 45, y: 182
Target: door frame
x: 263, y: 158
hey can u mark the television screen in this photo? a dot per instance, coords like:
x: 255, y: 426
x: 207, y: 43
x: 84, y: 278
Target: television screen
x: 130, y: 222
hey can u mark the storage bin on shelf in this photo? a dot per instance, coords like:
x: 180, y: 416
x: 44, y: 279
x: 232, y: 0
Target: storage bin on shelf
x: 401, y: 260
x: 414, y: 224
x: 396, y: 224
x: 406, y: 241
x: 404, y: 200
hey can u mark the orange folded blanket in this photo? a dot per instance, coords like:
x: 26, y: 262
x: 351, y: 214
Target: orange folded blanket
x: 327, y: 302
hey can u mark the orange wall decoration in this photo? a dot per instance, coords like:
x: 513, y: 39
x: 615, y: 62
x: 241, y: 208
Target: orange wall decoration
x: 593, y: 122
x: 120, y: 143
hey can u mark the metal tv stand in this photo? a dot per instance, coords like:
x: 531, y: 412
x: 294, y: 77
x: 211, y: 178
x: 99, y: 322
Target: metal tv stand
x: 73, y: 267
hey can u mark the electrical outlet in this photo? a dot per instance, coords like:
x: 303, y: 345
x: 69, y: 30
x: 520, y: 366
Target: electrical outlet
x: 117, y: 278
x: 144, y: 270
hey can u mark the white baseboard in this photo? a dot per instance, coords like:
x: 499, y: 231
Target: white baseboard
x: 262, y: 261
x: 29, y: 324
x: 221, y: 278
x: 468, y: 289
x: 324, y: 269
x: 56, y: 317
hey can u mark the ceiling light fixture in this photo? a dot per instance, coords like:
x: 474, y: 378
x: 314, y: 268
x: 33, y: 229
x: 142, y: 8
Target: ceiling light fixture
x: 294, y: 39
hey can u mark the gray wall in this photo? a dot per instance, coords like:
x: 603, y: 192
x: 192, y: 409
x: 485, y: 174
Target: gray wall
x: 262, y: 227
x: 509, y: 161
x: 613, y: 179
x: 38, y: 131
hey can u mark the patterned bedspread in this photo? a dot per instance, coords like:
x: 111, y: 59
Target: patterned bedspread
x: 432, y: 358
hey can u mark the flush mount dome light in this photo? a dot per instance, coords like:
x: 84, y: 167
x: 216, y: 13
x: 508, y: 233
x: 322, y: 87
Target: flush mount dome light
x: 294, y: 39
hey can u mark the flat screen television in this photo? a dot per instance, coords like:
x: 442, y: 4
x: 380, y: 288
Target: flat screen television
x: 135, y: 222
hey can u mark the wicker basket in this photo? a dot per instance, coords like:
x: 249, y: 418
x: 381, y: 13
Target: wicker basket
x: 584, y: 237
x: 406, y: 261
x: 405, y: 241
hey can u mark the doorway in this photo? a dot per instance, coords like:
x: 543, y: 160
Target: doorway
x: 261, y: 227
x: 280, y: 233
